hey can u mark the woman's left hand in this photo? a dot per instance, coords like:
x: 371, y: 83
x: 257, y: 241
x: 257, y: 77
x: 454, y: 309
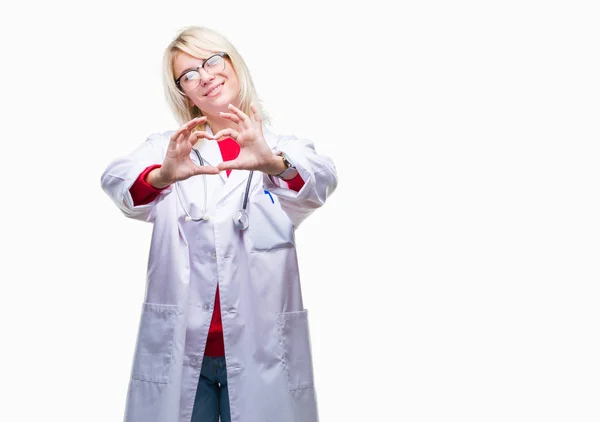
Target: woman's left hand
x: 255, y: 153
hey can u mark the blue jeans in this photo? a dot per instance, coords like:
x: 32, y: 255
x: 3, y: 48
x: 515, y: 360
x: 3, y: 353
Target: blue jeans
x: 212, y: 398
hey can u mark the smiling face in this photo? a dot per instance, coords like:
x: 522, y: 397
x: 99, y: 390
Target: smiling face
x: 215, y: 91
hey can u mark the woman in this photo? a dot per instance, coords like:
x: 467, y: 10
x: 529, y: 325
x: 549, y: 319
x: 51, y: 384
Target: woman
x: 223, y: 331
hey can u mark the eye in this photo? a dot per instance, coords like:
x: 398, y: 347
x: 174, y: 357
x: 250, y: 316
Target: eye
x: 213, y: 61
x: 190, y: 76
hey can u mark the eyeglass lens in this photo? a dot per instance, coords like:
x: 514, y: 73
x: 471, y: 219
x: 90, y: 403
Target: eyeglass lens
x: 191, y: 79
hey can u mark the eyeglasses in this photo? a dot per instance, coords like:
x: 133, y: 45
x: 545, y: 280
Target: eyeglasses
x: 190, y: 79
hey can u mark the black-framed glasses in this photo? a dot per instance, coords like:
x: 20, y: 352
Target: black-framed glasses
x: 190, y: 79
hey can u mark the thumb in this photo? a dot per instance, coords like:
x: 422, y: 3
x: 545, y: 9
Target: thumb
x: 198, y: 170
x: 229, y: 165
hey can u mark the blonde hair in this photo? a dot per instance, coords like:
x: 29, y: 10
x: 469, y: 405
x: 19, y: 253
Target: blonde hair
x: 196, y: 41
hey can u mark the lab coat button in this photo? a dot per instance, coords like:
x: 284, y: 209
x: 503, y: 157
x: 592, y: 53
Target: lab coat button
x: 206, y: 307
x: 213, y: 255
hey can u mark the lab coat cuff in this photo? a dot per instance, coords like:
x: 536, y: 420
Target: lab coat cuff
x: 280, y: 187
x: 133, y: 176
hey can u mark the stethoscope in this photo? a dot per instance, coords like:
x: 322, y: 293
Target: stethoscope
x: 240, y: 217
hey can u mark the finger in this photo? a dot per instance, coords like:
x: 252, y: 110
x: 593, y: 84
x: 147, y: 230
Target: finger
x: 238, y: 113
x: 186, y: 127
x: 229, y: 165
x: 256, y: 113
x: 193, y: 123
x: 232, y: 133
x: 197, y: 120
x: 197, y: 134
x: 205, y: 170
x: 230, y: 116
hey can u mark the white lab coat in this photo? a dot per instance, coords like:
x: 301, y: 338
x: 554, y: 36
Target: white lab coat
x: 265, y: 325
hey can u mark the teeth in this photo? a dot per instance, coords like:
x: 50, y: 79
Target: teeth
x: 214, y: 89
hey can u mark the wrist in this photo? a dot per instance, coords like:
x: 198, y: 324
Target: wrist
x: 290, y: 171
x: 155, y: 179
x: 276, y: 165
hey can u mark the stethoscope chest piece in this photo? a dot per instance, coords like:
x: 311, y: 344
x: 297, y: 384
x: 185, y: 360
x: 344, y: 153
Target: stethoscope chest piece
x: 240, y: 219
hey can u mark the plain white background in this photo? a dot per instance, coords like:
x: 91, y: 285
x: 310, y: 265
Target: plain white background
x: 453, y: 275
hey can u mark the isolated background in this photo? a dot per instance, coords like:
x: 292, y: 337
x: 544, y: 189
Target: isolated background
x: 453, y: 275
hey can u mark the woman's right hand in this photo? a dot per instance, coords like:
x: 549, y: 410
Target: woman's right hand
x: 177, y: 164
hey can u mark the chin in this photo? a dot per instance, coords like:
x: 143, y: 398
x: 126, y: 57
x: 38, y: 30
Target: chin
x: 223, y: 102
x: 219, y: 104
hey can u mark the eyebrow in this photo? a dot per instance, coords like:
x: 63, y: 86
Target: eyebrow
x: 191, y: 68
x: 194, y: 68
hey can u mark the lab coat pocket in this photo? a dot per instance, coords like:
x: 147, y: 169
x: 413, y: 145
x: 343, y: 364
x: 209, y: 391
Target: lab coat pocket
x: 269, y: 227
x: 155, y: 343
x: 294, y: 341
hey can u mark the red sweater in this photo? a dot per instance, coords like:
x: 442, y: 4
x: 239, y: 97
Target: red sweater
x: 142, y: 193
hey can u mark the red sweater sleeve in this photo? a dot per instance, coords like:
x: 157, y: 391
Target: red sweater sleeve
x: 143, y: 192
x: 296, y: 183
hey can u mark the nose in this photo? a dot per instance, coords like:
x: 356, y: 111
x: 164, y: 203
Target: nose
x: 205, y: 77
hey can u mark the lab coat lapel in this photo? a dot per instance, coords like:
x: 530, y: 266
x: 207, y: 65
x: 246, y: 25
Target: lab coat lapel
x: 236, y: 178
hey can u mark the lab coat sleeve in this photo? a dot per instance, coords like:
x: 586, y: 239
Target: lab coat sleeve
x: 317, y: 171
x: 122, y: 172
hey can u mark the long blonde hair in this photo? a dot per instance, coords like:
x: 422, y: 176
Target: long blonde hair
x: 196, y: 41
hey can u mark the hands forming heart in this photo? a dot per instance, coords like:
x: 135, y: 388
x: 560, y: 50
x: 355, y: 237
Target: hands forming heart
x: 255, y: 153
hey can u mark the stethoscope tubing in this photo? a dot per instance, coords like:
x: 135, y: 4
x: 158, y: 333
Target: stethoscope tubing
x: 241, y: 221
